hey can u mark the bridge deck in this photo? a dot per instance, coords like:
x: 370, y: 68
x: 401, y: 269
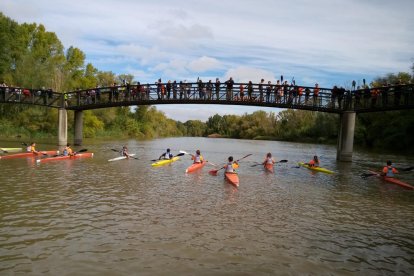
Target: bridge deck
x: 294, y: 97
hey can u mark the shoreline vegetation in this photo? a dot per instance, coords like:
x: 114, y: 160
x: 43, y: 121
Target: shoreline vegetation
x: 33, y: 57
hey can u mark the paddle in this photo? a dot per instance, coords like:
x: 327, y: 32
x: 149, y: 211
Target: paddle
x: 79, y: 151
x: 281, y: 161
x: 180, y: 154
x: 406, y: 169
x: 214, y: 172
x: 129, y: 156
x: 208, y: 162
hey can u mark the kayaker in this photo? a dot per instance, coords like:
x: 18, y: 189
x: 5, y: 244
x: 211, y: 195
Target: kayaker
x: 32, y: 148
x: 268, y: 160
x: 198, y: 158
x: 389, y: 170
x: 124, y: 152
x: 314, y: 162
x: 67, y: 151
x: 231, y: 165
x: 166, y: 155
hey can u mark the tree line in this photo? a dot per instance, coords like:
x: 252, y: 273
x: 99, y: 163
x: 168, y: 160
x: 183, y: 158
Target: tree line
x: 32, y: 57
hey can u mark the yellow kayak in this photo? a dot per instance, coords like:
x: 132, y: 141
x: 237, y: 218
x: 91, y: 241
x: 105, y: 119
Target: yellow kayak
x: 165, y: 162
x: 317, y: 169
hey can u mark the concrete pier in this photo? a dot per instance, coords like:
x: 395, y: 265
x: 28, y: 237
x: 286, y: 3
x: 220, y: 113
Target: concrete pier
x: 78, y: 127
x: 346, y: 137
x: 63, y: 127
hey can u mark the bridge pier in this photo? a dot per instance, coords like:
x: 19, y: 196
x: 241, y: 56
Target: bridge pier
x: 346, y: 137
x: 63, y: 127
x: 78, y: 127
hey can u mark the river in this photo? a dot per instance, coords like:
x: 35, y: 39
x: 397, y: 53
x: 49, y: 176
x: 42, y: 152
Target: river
x: 94, y: 217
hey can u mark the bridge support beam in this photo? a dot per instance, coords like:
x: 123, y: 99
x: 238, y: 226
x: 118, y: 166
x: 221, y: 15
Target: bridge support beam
x: 346, y: 137
x: 63, y: 127
x: 78, y: 127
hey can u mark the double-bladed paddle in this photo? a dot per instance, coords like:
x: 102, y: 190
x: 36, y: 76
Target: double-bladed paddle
x: 180, y: 154
x: 128, y: 156
x: 281, y: 161
x: 214, y: 172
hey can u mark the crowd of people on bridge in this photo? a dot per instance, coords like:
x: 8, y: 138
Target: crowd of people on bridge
x: 281, y: 93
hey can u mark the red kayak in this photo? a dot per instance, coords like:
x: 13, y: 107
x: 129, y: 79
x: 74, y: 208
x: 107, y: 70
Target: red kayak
x: 269, y: 167
x: 195, y: 166
x: 232, y: 178
x: 394, y: 181
x: 67, y: 157
x: 30, y: 154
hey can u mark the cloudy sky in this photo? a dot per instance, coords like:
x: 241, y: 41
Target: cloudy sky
x: 331, y: 42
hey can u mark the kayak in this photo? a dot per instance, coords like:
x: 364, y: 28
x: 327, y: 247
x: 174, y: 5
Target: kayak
x: 195, y: 166
x: 120, y: 158
x: 165, y: 161
x: 394, y: 181
x: 269, y: 168
x: 232, y: 178
x: 30, y: 154
x: 316, y: 169
x: 11, y: 149
x: 67, y: 157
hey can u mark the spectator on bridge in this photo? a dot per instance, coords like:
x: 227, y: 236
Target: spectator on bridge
x: 217, y: 86
x: 300, y: 93
x: 316, y: 94
x: 241, y: 92
x: 229, y: 89
x: 209, y: 89
x: 341, y: 93
x: 285, y: 91
x: 261, y: 84
x: 334, y: 94
x: 158, y: 84
x: 278, y: 92
x: 353, y: 85
x: 367, y: 95
x: 249, y: 90
x: 168, y: 88
x: 374, y: 96
x: 182, y: 90
x: 200, y: 89
x: 268, y: 91
x: 174, y: 88
x: 358, y: 94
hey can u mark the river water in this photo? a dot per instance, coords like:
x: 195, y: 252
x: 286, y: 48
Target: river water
x: 94, y: 217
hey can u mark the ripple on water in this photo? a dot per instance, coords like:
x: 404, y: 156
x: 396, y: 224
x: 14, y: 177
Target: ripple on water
x: 123, y: 217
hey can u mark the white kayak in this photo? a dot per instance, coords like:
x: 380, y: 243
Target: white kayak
x: 120, y: 158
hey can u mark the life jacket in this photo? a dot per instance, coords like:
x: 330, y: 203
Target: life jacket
x: 389, y: 171
x: 29, y: 149
x: 300, y: 91
x: 65, y: 152
x: 168, y: 155
x: 198, y: 158
x: 269, y: 160
x: 312, y: 163
x: 229, y: 167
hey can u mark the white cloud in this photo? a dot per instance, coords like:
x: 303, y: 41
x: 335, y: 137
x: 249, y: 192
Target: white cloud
x: 203, y: 64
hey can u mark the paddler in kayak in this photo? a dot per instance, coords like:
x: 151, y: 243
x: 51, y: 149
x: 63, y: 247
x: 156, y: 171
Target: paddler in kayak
x: 389, y: 170
x: 231, y: 165
x: 198, y: 158
x: 166, y: 155
x: 32, y: 148
x: 124, y: 152
x: 314, y: 162
x: 269, y: 161
x: 67, y: 151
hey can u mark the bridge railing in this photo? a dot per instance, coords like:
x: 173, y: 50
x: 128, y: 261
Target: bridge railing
x: 299, y: 97
x: 240, y: 93
x: 18, y: 95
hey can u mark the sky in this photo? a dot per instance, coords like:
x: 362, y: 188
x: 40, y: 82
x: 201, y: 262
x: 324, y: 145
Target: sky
x: 330, y: 42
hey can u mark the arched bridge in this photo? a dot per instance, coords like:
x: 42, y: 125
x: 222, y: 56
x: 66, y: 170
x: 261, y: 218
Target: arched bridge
x: 347, y: 103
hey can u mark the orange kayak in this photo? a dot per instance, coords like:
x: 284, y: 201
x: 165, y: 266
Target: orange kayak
x: 394, y: 181
x: 30, y: 154
x: 195, y: 166
x: 268, y: 167
x: 67, y: 157
x: 232, y: 178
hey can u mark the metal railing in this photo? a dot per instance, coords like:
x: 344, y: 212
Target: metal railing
x: 282, y: 96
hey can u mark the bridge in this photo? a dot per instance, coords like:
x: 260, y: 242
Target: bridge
x: 346, y: 103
